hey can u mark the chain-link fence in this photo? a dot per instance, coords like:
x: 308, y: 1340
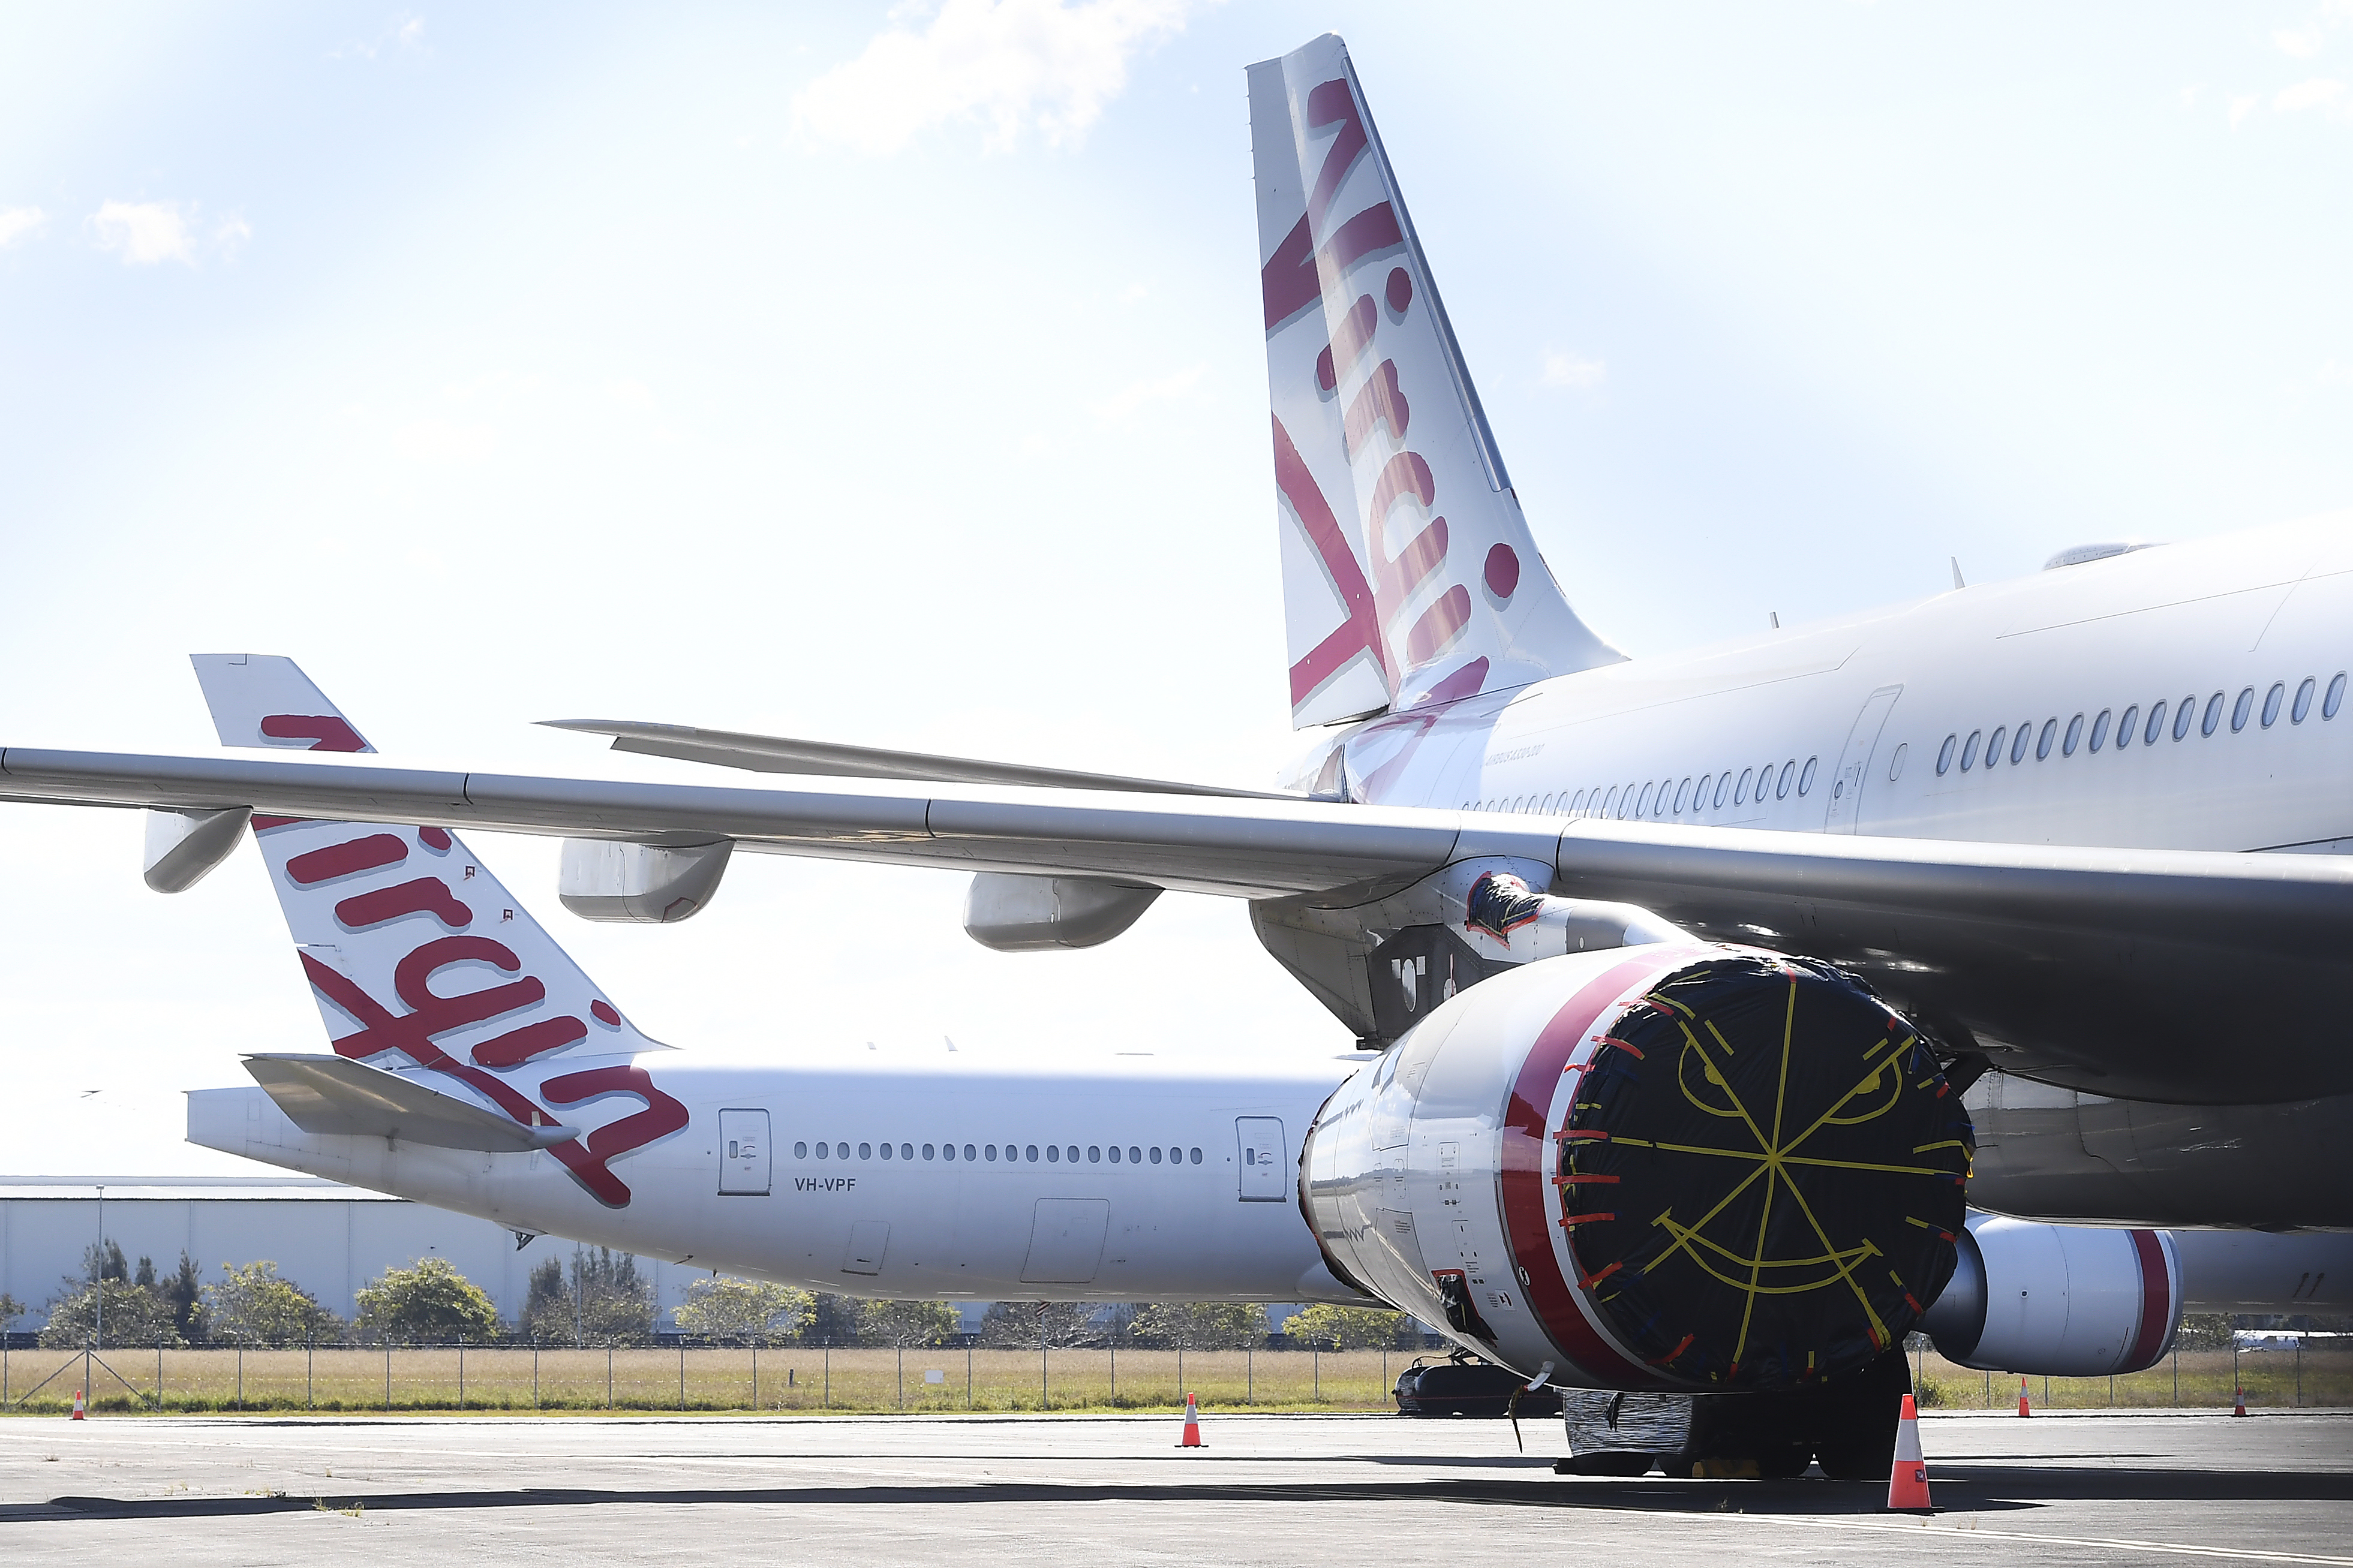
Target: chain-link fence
x: 2315, y: 1373
x: 693, y: 1377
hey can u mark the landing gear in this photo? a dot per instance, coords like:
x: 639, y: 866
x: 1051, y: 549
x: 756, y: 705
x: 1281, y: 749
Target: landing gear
x: 1847, y: 1425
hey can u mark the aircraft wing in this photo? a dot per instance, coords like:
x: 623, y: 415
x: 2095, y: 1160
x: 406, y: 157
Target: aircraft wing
x: 2176, y: 975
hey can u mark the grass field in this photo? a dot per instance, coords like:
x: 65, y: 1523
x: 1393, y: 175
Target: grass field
x: 799, y: 1378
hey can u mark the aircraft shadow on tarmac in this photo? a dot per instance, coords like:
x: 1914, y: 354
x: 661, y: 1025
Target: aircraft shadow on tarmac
x: 1962, y: 1489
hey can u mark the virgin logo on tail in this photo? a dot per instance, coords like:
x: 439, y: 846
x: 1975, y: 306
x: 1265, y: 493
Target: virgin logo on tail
x: 417, y: 1014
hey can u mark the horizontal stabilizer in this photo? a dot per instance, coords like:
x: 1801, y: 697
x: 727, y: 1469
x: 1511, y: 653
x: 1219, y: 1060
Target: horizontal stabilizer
x: 329, y: 1096
x: 781, y: 754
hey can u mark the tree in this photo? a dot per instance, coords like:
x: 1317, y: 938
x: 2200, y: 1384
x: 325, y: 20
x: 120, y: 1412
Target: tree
x: 1327, y: 1326
x: 832, y: 1320
x: 907, y: 1324
x: 1199, y: 1325
x: 134, y: 1316
x: 429, y: 1301
x: 185, y: 1291
x: 547, y: 1313
x: 612, y: 1304
x: 104, y: 1261
x: 11, y: 1310
x: 254, y: 1305
x: 743, y: 1311
x: 1031, y: 1323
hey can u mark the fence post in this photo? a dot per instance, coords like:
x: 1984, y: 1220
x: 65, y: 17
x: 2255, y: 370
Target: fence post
x: 2177, y: 1371
x: 1315, y: 1370
x: 310, y: 1359
x: 461, y: 1372
x: 240, y: 1375
x: 1180, y: 1369
x: 902, y: 1377
x: 682, y: 1374
x: 1114, y: 1374
x: 2299, y: 1369
x: 387, y: 1374
x: 1249, y: 1374
x: 534, y: 1373
x: 828, y: 1371
x: 608, y: 1374
x: 756, y: 1374
x: 967, y: 1374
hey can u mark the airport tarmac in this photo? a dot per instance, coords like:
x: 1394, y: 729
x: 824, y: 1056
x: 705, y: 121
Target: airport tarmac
x: 2092, y: 1489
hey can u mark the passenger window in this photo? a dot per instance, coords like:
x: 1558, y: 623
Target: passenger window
x: 927, y: 1151
x: 2050, y: 733
x: 1114, y: 1153
x: 841, y: 1150
x: 1895, y: 763
x: 2125, y: 725
x: 2336, y: 698
x: 1699, y: 796
x: 1682, y: 793
x: 1053, y: 1152
x: 2303, y: 700
x: 2213, y: 714
x: 1806, y: 779
x: 2018, y: 747
x: 2075, y: 735
x: 1788, y: 771
x: 907, y: 1151
x: 2156, y: 724
x: 1155, y: 1153
x: 2185, y: 713
x: 967, y: 1153
x: 990, y: 1151
x: 886, y: 1150
x: 1577, y: 807
x: 1722, y: 783
x: 1610, y: 804
x: 2100, y: 729
x: 1642, y: 807
x: 947, y: 1151
x: 1993, y: 746
x: 1740, y: 790
x: 2272, y: 700
x: 1197, y: 1156
x: 1033, y: 1154
x: 824, y: 1151
x: 801, y: 1149
x: 2239, y: 709
x: 866, y: 1150
x: 1945, y: 756
x: 1135, y: 1154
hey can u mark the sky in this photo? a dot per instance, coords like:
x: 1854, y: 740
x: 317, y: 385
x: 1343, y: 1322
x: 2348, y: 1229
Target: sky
x: 892, y: 375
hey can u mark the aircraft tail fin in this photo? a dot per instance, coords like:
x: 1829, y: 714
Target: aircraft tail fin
x: 424, y: 963
x: 1410, y: 577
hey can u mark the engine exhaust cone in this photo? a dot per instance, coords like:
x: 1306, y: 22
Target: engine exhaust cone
x: 1760, y: 1174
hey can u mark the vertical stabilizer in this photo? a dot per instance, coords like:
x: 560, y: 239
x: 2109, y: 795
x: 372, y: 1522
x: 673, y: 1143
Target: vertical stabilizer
x: 424, y: 963
x: 1408, y: 576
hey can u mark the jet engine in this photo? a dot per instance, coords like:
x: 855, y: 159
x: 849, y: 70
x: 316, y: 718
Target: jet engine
x: 1682, y: 1166
x: 2058, y: 1301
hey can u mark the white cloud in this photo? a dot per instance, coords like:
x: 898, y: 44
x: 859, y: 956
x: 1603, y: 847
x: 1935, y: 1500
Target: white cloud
x: 1569, y: 370
x: 1012, y: 65
x: 20, y: 223
x: 2319, y: 93
x: 2303, y: 42
x: 2192, y: 93
x: 1121, y: 404
x: 404, y: 32
x: 2242, y: 107
x: 145, y: 233
x: 2334, y: 372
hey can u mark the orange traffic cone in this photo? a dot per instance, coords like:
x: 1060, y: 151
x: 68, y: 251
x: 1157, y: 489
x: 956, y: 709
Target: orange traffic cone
x: 79, y: 1406
x: 2238, y: 1401
x: 2022, y: 1408
x: 1192, y: 1438
x: 1907, y: 1483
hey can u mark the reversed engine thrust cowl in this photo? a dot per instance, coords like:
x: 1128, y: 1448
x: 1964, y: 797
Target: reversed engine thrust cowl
x: 1679, y: 1166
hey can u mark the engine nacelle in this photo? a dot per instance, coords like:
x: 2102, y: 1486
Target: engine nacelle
x: 1678, y: 1166
x: 2058, y: 1301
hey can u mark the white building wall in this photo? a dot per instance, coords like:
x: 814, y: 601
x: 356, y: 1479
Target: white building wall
x: 327, y: 1239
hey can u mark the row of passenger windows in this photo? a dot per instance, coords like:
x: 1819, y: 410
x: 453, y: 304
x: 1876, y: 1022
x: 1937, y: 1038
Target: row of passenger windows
x: 1667, y: 797
x: 2130, y: 724
x: 1053, y: 1154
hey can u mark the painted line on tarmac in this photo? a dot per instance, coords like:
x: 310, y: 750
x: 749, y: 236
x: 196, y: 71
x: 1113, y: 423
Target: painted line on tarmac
x: 2179, y: 1549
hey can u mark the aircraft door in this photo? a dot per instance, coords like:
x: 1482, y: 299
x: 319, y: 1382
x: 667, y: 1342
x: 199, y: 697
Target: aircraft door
x: 1267, y: 1175
x: 744, y: 1153
x: 1854, y: 763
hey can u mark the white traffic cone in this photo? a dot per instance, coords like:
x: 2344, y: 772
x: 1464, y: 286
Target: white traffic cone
x: 1192, y: 1438
x: 1907, y: 1484
x: 80, y: 1405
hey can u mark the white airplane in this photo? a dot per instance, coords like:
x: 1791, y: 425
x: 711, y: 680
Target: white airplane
x: 1670, y: 976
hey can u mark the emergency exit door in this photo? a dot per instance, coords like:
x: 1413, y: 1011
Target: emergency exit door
x: 744, y: 1153
x: 1266, y: 1166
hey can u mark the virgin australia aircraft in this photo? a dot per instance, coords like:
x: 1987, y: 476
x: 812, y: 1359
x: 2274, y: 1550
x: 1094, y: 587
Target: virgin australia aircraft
x: 1669, y: 976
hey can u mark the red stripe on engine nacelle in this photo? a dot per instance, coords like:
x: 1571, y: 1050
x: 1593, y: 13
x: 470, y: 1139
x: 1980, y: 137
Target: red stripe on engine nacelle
x: 1526, y: 1159
x: 2155, y: 1302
